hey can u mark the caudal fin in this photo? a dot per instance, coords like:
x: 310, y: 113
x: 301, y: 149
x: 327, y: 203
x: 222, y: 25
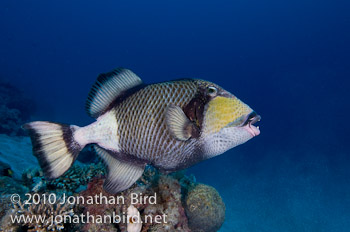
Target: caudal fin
x: 54, y: 146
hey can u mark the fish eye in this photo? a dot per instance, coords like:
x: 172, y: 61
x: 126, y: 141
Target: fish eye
x: 212, y: 91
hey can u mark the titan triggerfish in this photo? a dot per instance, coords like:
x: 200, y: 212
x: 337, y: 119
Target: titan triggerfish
x: 170, y: 125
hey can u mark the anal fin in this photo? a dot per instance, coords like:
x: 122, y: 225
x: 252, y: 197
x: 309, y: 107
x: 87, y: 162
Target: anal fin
x: 120, y: 175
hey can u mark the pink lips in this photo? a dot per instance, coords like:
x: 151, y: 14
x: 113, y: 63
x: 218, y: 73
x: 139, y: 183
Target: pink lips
x: 253, y: 130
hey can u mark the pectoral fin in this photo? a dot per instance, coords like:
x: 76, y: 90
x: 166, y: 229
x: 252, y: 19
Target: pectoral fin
x: 179, y: 125
x: 120, y: 175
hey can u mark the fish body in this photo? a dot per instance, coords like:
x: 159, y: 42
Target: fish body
x: 170, y: 125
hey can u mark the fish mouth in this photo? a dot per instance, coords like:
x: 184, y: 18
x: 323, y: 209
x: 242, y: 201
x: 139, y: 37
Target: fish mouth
x: 252, y: 118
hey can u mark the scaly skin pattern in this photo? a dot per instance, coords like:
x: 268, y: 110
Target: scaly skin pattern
x: 143, y: 134
x: 142, y: 129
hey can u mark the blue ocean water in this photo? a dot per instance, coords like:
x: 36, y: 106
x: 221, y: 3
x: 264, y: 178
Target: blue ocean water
x: 289, y: 60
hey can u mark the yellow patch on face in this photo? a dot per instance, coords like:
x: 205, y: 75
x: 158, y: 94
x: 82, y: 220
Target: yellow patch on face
x: 222, y: 111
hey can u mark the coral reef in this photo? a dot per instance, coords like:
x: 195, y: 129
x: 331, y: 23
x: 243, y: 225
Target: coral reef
x: 15, y: 109
x: 5, y: 205
x: 43, y: 213
x: 71, y: 182
x: 8, y: 186
x: 165, y: 214
x: 204, y: 208
x: 164, y: 202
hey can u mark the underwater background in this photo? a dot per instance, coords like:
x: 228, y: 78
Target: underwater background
x: 288, y: 60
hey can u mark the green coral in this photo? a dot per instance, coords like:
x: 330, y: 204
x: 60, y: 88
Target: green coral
x: 76, y: 177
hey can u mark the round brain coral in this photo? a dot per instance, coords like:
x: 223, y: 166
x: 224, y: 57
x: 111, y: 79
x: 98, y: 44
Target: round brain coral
x: 204, y: 208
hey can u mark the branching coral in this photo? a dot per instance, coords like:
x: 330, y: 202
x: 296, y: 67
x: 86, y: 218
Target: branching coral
x: 40, y: 216
x: 76, y: 177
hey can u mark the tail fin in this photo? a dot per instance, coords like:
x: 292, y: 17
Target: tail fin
x: 54, y: 146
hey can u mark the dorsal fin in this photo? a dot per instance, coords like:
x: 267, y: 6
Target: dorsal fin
x: 108, y: 87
